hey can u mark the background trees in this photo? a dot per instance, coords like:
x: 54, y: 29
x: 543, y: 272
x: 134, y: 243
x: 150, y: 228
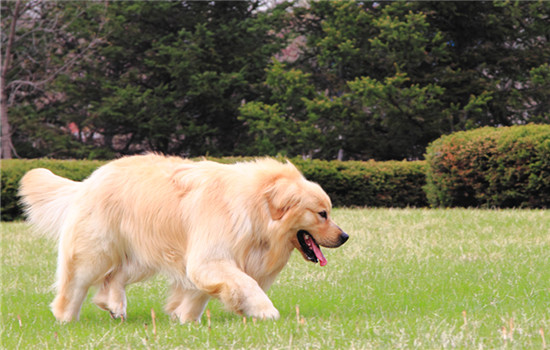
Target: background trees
x: 339, y: 79
x: 41, y: 41
x: 173, y: 75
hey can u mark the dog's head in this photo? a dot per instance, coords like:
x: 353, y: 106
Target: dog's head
x: 304, y: 209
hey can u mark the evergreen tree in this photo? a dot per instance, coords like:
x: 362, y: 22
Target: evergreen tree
x: 367, y: 80
x: 494, y: 48
x: 172, y: 75
x: 372, y: 91
x: 390, y: 77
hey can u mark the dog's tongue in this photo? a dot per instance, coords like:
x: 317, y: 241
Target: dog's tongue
x: 318, y: 252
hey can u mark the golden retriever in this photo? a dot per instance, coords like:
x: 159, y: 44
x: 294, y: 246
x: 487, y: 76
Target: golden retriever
x: 222, y: 231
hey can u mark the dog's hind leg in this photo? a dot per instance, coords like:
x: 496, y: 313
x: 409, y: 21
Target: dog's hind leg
x: 82, y: 262
x: 74, y: 280
x: 70, y: 295
x: 186, y: 305
x: 111, y: 296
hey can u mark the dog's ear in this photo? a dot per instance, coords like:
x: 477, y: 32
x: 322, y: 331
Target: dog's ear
x: 282, y: 195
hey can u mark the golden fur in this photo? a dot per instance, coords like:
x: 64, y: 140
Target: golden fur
x: 217, y: 230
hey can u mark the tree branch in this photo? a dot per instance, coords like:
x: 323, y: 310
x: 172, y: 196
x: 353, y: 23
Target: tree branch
x: 7, y: 56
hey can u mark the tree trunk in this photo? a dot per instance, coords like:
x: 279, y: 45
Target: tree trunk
x: 7, y: 145
x: 6, y: 132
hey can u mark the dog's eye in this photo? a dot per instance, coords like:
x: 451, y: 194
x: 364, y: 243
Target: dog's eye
x: 323, y: 214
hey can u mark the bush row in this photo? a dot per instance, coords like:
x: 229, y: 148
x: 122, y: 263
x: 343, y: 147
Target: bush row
x: 487, y: 167
x: 373, y: 184
x: 14, y: 169
x: 380, y: 184
x: 364, y: 184
x: 491, y: 167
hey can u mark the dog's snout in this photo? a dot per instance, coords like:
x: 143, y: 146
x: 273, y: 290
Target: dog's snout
x: 343, y: 237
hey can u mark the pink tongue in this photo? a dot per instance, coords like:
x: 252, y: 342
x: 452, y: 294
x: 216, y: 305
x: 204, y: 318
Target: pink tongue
x: 318, y: 253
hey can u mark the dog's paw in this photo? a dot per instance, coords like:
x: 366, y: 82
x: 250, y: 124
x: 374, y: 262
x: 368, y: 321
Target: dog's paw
x: 262, y: 311
x: 116, y: 316
x: 116, y: 309
x: 268, y: 314
x: 184, y: 318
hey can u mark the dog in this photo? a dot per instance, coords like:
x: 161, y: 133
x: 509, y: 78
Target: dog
x: 216, y: 230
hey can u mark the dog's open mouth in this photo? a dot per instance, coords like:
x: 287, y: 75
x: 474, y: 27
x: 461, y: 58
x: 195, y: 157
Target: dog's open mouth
x: 310, y: 248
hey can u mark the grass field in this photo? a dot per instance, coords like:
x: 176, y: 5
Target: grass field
x: 406, y: 279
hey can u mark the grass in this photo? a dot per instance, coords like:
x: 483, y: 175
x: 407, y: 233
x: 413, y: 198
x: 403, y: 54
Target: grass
x: 410, y: 278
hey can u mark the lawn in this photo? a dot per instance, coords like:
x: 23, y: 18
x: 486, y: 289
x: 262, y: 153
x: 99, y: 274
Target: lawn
x: 411, y: 278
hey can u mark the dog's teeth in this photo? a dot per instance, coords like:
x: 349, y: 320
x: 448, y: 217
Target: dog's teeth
x: 308, y: 241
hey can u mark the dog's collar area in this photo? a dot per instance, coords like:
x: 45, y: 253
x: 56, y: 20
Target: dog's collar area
x: 310, y: 248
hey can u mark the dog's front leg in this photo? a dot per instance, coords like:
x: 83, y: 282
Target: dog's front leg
x: 237, y: 290
x: 186, y: 305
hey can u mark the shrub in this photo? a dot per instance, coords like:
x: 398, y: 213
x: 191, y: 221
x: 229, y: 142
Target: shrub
x: 14, y: 169
x: 491, y: 167
x: 376, y: 184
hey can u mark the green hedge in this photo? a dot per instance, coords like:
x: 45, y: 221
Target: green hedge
x: 395, y: 184
x: 373, y: 184
x: 491, y: 167
x: 377, y: 184
x: 487, y: 167
x: 14, y: 169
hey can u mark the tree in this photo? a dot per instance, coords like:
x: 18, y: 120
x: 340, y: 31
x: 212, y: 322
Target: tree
x: 44, y: 40
x: 367, y: 79
x: 283, y: 126
x: 7, y: 146
x: 173, y: 75
x: 536, y: 103
x: 356, y: 49
x: 494, y: 47
x: 389, y: 77
x: 398, y: 119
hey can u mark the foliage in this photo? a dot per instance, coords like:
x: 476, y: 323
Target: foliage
x: 50, y: 38
x: 14, y: 169
x: 535, y: 102
x: 373, y: 87
x: 375, y: 184
x: 173, y: 74
x: 491, y: 167
x: 366, y: 80
x: 405, y: 113
x: 493, y: 46
x: 391, y: 77
x: 284, y: 127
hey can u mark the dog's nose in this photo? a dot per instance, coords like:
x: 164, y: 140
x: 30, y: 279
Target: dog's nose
x: 343, y: 237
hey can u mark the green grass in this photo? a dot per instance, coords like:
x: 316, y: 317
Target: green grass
x: 405, y: 279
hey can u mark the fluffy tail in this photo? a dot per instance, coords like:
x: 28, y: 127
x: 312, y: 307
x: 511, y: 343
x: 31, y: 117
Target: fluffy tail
x: 46, y: 198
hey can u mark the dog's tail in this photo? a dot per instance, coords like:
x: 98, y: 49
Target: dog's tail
x: 46, y: 199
